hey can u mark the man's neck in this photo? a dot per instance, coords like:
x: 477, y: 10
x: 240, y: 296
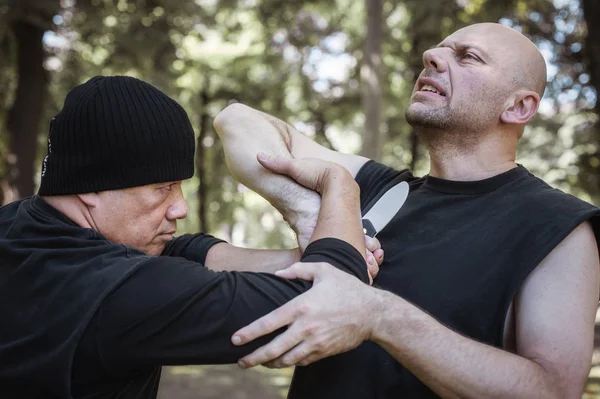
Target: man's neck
x: 489, y: 156
x: 73, y: 208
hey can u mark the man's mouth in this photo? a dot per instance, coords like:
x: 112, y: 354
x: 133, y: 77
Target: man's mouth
x: 432, y: 89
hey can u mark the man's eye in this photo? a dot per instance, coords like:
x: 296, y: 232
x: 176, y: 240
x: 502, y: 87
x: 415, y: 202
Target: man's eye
x: 469, y: 56
x: 168, y: 188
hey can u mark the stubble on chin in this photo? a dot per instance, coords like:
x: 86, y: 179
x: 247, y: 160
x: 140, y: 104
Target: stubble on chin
x: 441, y: 130
x: 434, y: 119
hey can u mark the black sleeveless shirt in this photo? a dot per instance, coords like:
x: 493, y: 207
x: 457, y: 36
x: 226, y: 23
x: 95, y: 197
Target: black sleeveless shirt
x: 458, y: 250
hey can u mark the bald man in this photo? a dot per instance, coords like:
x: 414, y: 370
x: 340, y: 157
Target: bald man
x: 490, y: 283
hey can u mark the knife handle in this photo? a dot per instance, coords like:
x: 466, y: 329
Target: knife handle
x: 368, y: 228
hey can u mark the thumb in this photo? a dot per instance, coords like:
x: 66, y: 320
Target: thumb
x: 273, y: 163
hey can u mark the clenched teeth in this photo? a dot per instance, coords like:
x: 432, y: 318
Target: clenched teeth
x: 431, y: 89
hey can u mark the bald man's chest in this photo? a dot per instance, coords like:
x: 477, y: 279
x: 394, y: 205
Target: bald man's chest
x: 452, y: 262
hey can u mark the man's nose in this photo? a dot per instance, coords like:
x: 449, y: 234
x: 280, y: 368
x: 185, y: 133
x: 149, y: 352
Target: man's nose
x: 434, y: 58
x: 179, y: 208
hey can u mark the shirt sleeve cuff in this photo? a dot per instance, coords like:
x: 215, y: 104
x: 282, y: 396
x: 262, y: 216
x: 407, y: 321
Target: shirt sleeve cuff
x: 192, y: 247
x: 338, y: 253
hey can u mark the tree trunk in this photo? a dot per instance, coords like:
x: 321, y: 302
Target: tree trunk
x: 371, y: 73
x: 591, y: 14
x: 24, y: 117
x: 201, y: 164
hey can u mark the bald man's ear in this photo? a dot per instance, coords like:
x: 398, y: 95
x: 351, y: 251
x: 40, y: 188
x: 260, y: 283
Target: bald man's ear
x: 522, y: 108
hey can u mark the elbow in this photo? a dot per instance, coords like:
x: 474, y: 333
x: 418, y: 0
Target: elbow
x: 229, y: 116
x: 559, y: 389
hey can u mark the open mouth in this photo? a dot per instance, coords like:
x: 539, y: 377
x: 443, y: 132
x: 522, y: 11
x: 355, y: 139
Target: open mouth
x: 431, y: 89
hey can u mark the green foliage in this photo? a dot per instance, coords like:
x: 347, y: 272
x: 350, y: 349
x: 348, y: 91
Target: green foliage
x: 301, y: 62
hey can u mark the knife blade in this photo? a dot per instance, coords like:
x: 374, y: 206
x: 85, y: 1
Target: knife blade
x: 385, y: 209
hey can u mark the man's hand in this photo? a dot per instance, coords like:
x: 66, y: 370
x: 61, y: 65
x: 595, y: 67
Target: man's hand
x: 319, y: 175
x: 336, y: 315
x: 312, y: 173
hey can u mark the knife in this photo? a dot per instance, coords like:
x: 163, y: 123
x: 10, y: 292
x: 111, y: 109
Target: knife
x: 385, y: 209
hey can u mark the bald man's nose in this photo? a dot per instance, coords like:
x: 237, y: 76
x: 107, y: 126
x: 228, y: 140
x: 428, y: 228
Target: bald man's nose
x: 433, y: 58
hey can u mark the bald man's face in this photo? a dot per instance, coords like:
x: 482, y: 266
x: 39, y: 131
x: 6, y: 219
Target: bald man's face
x: 465, y: 82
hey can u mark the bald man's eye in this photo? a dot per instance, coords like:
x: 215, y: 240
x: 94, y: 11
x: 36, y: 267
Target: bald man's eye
x: 469, y: 56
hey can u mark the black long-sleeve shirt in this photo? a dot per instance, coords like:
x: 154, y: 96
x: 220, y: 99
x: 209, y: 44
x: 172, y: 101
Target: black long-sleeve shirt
x: 112, y: 315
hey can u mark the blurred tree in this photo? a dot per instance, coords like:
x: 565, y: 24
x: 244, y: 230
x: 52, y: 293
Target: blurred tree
x: 591, y: 14
x: 28, y: 20
x: 302, y: 61
x: 562, y: 144
x: 371, y: 72
x: 589, y: 161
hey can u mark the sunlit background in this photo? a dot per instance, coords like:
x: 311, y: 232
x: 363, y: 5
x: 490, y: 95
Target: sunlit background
x: 340, y: 74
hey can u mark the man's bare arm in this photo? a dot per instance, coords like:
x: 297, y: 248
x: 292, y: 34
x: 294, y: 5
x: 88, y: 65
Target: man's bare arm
x: 227, y: 257
x: 340, y: 195
x: 245, y: 132
x: 555, y: 312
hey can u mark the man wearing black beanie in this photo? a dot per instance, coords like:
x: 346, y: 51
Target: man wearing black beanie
x: 95, y: 292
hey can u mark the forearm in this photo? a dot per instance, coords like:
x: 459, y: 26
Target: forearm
x: 452, y: 365
x: 246, y: 132
x: 340, y: 215
x: 225, y: 257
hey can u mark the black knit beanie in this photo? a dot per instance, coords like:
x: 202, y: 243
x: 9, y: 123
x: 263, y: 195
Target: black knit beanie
x: 116, y: 132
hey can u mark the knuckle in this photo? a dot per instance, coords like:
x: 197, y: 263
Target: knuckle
x: 291, y: 360
x: 310, y: 359
x: 303, y: 309
x: 287, y: 361
x: 320, y: 346
x: 271, y: 353
x: 310, y: 329
x: 266, y: 324
x: 302, y: 353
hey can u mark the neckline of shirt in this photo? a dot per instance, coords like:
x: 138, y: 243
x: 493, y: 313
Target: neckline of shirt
x: 474, y: 187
